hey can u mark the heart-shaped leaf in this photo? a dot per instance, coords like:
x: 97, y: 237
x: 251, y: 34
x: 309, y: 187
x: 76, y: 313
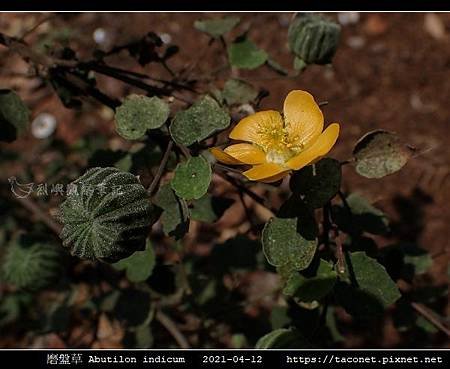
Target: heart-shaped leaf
x: 198, y: 122
x: 317, y: 183
x: 313, y: 288
x: 14, y: 116
x: 244, y: 54
x: 139, y: 265
x: 236, y: 91
x: 217, y: 27
x: 140, y: 113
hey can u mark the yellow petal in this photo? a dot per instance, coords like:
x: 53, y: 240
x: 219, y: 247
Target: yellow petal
x: 264, y: 171
x: 317, y: 149
x: 303, y: 117
x: 223, y: 157
x: 246, y: 153
x: 276, y: 177
x: 250, y: 128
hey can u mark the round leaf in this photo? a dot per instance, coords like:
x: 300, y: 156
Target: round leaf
x: 192, y: 178
x: 282, y: 338
x: 209, y: 208
x: 246, y: 55
x: 175, y: 214
x: 139, y: 113
x: 380, y: 153
x: 284, y: 247
x: 362, y: 217
x: 199, y: 122
x: 318, y: 183
x: 217, y: 27
x: 314, y: 288
x: 14, y: 116
x: 236, y: 91
x: 139, y: 265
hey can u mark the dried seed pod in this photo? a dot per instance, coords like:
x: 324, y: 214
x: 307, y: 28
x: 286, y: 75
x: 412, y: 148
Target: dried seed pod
x: 30, y: 265
x: 106, y: 216
x: 313, y: 38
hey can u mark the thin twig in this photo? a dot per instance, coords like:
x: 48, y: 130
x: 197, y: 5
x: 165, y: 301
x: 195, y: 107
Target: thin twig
x: 37, y: 25
x: 172, y: 328
x: 184, y: 150
x: 248, y: 214
x: 41, y: 214
x: 247, y: 191
x: 339, y: 254
x: 430, y: 316
x: 161, y: 168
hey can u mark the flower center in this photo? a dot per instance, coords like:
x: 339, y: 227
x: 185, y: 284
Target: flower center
x: 278, y: 145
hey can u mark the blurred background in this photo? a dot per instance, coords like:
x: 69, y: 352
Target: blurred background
x: 391, y: 71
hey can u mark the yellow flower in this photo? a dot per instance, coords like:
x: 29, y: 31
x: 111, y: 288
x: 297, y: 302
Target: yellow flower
x: 275, y: 145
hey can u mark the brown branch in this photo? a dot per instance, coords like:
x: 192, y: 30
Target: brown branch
x: 161, y: 168
x: 172, y: 328
x: 26, y: 52
x: 430, y: 316
x: 41, y: 214
x: 255, y: 197
x: 37, y: 25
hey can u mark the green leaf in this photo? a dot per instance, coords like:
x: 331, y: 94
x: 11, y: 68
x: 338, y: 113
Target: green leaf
x: 380, y: 153
x: 282, y: 338
x: 133, y: 307
x: 331, y: 323
x: 244, y: 54
x: 405, y: 260
x: 279, y: 317
x: 218, y: 26
x: 371, y: 278
x: 175, y: 215
x: 14, y: 116
x: 139, y: 265
x: 317, y: 183
x: 299, y: 64
x: 236, y: 91
x: 13, y: 305
x: 421, y: 263
x: 239, y: 341
x: 424, y: 324
x: 198, y: 122
x: 139, y: 113
x: 363, y: 216
x: 144, y: 337
x: 235, y: 254
x: 314, y: 288
x: 209, y: 208
x: 285, y: 247
x: 192, y: 178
